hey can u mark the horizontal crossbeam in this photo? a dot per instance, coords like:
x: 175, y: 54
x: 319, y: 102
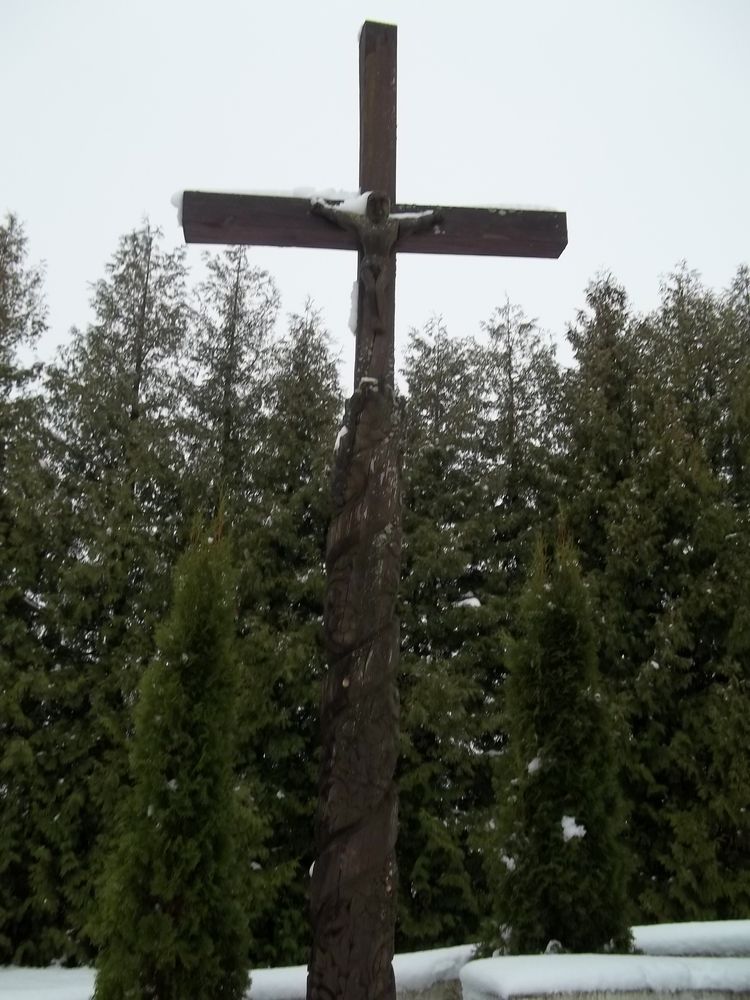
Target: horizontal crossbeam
x: 270, y: 220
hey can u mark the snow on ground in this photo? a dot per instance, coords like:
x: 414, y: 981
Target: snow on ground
x: 526, y: 975
x: 414, y: 971
x: 657, y: 970
x: 279, y: 984
x: 711, y: 937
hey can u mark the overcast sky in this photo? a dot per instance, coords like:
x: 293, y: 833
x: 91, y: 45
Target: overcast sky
x: 630, y: 115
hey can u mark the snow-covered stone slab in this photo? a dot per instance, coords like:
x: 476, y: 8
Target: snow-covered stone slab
x: 46, y: 984
x: 610, y: 976
x: 431, y: 975
x: 710, y: 937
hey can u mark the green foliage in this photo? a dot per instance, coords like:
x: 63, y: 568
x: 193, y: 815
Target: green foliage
x: 449, y: 662
x: 557, y: 863
x: 22, y: 311
x: 736, y: 329
x: 28, y: 930
x: 229, y: 350
x: 519, y: 429
x: 656, y: 474
x: 173, y: 922
x: 688, y: 827
x: 280, y: 542
x: 601, y: 415
x: 156, y: 411
x: 112, y: 409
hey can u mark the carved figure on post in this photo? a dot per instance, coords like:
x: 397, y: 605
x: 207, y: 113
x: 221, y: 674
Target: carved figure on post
x: 377, y: 232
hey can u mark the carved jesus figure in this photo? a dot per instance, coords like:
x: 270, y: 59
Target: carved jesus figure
x: 377, y: 233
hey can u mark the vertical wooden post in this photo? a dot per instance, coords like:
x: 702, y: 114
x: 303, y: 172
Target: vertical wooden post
x: 377, y: 171
x: 353, y: 891
x: 377, y: 108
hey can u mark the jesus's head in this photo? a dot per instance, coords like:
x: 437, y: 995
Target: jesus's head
x: 378, y: 206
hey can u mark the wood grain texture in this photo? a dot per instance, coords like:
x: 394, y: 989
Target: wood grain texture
x: 377, y: 108
x: 353, y: 889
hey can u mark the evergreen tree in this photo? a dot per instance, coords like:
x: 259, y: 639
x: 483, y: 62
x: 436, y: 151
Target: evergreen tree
x: 281, y: 541
x: 229, y: 348
x: 735, y: 321
x: 695, y: 359
x: 681, y: 548
x: 112, y: 413
x: 22, y: 315
x: 601, y: 416
x: 449, y: 661
x: 605, y: 399
x: 27, y: 542
x: 173, y: 924
x: 521, y: 438
x: 653, y: 454
x: 557, y: 865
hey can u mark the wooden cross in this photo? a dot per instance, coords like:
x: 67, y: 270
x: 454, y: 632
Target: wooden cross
x: 266, y: 220
x: 353, y: 898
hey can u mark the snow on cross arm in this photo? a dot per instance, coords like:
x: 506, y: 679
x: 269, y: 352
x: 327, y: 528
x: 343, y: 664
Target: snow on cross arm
x: 468, y: 601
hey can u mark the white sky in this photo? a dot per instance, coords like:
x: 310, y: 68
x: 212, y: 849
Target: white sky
x: 631, y: 115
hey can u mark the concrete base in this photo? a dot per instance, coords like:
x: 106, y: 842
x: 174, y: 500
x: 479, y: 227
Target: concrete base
x: 448, y: 990
x: 451, y: 990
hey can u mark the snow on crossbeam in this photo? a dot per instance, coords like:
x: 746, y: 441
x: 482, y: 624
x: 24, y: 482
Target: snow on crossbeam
x: 616, y: 975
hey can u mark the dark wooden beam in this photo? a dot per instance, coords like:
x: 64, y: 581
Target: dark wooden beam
x: 258, y: 220
x: 377, y: 172
x: 269, y: 220
x: 377, y: 108
x: 493, y: 232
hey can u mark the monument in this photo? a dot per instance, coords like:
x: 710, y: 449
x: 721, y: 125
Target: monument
x: 353, y: 888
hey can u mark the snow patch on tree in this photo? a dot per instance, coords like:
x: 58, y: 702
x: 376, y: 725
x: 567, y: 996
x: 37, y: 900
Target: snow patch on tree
x: 570, y: 829
x: 468, y: 601
x: 534, y: 765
